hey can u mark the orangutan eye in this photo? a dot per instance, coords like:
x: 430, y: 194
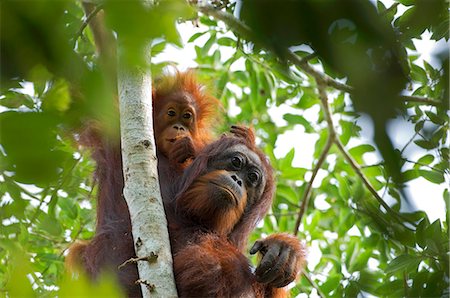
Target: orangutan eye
x: 187, y: 116
x: 236, y: 161
x: 253, y: 177
x: 171, y: 113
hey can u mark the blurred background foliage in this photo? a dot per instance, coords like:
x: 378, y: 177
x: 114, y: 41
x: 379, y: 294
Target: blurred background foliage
x: 316, y: 70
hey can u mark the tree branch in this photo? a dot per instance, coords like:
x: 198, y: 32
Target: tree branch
x: 308, y: 191
x: 242, y: 29
x: 324, y: 99
x: 87, y: 20
x: 313, y: 283
x: 421, y: 100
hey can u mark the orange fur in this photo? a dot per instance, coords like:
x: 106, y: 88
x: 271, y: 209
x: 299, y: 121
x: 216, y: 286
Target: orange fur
x: 199, y: 202
x: 207, y: 106
x: 74, y: 259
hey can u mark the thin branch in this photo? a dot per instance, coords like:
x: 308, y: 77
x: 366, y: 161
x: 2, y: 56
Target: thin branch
x: 150, y: 287
x: 279, y: 214
x: 302, y: 63
x: 61, y: 254
x: 405, y: 283
x: 313, y: 283
x: 87, y: 20
x: 324, y: 99
x: 151, y: 259
x: 421, y: 100
x: 233, y: 23
x: 361, y: 175
x: 308, y: 191
x: 424, y: 165
x: 28, y: 193
x: 366, y: 182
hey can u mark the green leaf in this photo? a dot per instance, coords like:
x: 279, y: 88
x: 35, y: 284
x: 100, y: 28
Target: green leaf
x: 308, y: 99
x: 435, y: 118
x: 81, y: 286
x: 410, y: 175
x: 358, y: 191
x: 287, y: 193
x: 331, y: 283
x: 419, y: 74
x: 432, y: 176
x: 419, y: 125
x: 57, y: 98
x: 207, y: 46
x: 293, y: 173
x: 50, y: 225
x: 351, y: 252
x: 407, y: 2
x: 286, y: 162
x: 402, y: 262
x: 158, y: 48
x: 298, y: 119
x: 426, y: 159
x: 68, y: 206
x: 347, y: 131
x: 196, y: 35
x: 15, y: 100
x: 17, y: 284
x: 358, y: 151
x: 226, y: 42
x: 425, y: 144
x: 435, y: 230
x: 31, y: 144
x: 421, y: 236
x: 344, y: 190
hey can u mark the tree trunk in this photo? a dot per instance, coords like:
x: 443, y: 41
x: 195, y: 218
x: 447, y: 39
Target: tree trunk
x: 141, y: 191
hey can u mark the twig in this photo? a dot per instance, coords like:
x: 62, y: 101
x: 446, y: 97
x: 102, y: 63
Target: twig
x: 151, y: 287
x: 151, y: 258
x: 87, y: 20
x: 28, y: 193
x: 277, y: 214
x: 62, y: 251
x: 366, y: 182
x: 236, y: 25
x: 421, y: 100
x: 313, y: 283
x: 308, y: 191
x: 424, y: 165
x: 405, y: 283
x: 302, y: 63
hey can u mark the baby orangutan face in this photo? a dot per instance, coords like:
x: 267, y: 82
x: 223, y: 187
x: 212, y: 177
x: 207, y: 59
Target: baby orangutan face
x: 174, y: 121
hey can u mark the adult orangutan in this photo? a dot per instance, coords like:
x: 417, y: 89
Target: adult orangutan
x: 222, y: 195
x: 182, y: 116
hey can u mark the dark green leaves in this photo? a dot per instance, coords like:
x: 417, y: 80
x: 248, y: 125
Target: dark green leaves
x: 31, y: 146
x: 402, y: 262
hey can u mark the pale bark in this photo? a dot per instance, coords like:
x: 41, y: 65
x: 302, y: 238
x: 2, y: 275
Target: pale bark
x: 141, y: 190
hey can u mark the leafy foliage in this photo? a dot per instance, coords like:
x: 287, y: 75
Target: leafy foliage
x: 340, y: 198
